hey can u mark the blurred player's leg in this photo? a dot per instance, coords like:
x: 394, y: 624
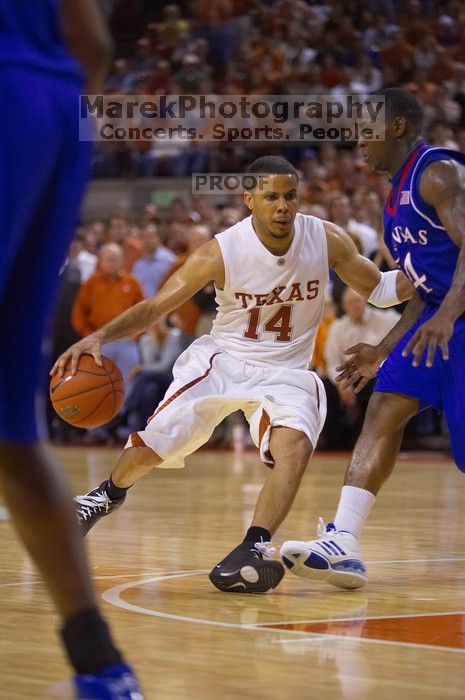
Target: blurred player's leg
x: 38, y: 497
x: 41, y: 189
x: 453, y: 391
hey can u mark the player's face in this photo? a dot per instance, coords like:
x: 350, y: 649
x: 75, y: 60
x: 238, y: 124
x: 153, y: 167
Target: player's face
x: 274, y: 206
x: 378, y: 143
x: 374, y: 146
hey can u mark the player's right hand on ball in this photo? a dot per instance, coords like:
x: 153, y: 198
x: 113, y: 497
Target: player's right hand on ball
x: 357, y: 371
x: 89, y: 346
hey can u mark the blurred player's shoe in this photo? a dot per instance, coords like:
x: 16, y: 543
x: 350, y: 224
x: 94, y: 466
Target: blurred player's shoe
x: 334, y: 557
x: 113, y: 683
x: 247, y: 569
x: 95, y: 505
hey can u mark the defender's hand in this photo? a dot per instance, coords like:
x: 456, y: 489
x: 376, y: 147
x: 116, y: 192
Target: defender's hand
x: 434, y: 333
x: 357, y: 371
x: 89, y: 346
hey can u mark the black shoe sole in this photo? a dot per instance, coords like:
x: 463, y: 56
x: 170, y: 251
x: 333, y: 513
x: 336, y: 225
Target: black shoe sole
x: 259, y: 577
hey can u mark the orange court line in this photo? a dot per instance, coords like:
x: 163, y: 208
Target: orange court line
x: 434, y: 630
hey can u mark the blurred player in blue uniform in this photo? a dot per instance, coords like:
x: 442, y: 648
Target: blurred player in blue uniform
x: 47, y: 50
x: 424, y: 230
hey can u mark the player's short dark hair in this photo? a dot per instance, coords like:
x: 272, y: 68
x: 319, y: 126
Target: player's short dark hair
x: 400, y: 103
x: 271, y: 165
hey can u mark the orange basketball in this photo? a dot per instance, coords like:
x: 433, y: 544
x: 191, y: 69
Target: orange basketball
x: 92, y: 396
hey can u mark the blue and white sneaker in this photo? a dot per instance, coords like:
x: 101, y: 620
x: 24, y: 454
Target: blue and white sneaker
x: 334, y: 557
x: 116, y: 682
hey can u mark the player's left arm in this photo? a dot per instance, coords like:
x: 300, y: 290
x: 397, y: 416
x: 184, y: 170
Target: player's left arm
x: 379, y: 288
x: 442, y: 186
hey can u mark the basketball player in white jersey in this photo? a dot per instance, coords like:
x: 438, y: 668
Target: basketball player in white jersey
x: 270, y: 272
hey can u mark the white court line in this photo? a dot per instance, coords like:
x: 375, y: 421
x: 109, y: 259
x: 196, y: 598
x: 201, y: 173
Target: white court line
x: 113, y: 596
x: 368, y: 640
x: 361, y: 618
x: 414, y: 561
x: 106, y: 576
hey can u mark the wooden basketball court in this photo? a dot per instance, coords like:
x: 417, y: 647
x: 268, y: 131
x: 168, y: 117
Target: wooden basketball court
x: 402, y: 637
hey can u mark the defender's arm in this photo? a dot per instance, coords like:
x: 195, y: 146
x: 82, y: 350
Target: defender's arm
x: 442, y: 186
x: 379, y: 288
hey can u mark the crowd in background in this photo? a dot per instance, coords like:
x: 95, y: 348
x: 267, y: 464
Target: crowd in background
x: 259, y: 47
x: 281, y: 47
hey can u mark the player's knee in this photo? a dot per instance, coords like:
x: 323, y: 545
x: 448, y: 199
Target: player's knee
x: 303, y: 450
x: 388, y: 413
x: 141, y: 456
x: 293, y: 451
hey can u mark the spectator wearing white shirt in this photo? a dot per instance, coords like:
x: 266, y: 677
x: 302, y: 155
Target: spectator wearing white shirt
x: 366, y: 78
x: 155, y: 262
x: 360, y: 323
x: 85, y: 262
x: 364, y: 236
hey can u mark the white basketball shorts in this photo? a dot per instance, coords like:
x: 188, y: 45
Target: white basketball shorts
x: 209, y: 384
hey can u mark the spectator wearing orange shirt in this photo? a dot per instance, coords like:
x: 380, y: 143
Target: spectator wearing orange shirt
x: 103, y: 297
x: 318, y: 361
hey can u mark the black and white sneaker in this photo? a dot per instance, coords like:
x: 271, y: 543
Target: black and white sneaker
x: 246, y: 570
x: 95, y: 505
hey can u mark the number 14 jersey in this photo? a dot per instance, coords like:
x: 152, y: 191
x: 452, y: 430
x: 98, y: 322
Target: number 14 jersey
x: 271, y: 305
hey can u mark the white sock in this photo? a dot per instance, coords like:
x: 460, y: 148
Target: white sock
x: 354, y: 508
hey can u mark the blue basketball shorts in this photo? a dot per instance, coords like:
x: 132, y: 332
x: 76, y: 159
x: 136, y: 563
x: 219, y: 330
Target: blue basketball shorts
x: 442, y: 385
x: 44, y: 168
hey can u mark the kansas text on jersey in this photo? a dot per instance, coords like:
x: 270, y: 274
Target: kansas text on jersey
x: 413, y: 231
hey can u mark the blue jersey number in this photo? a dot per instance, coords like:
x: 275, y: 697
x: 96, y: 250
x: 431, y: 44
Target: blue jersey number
x: 416, y: 279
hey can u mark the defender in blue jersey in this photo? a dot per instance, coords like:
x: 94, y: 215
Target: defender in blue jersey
x: 44, y: 169
x: 423, y: 359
